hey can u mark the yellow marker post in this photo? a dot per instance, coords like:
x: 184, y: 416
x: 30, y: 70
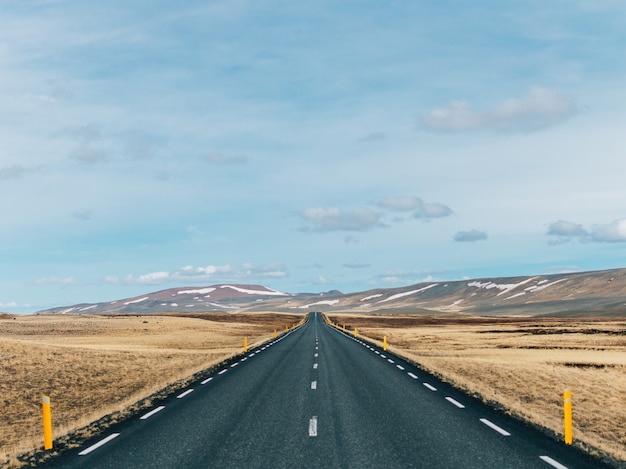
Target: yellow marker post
x: 47, y: 422
x: 245, y: 344
x: 385, y: 343
x: 567, y: 414
x: 344, y: 328
x: 274, y: 333
x: 355, y: 332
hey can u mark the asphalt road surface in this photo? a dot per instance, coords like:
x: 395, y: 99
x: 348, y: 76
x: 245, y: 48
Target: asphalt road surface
x: 319, y: 398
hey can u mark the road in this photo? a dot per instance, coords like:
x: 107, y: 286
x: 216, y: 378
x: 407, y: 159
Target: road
x: 318, y: 398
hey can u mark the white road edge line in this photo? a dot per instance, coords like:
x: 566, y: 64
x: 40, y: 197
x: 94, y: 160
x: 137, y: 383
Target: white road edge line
x: 207, y: 380
x: 313, y: 384
x: 187, y: 392
x: 412, y: 375
x: 400, y: 367
x: 152, y: 412
x: 223, y: 371
x: 432, y: 388
x: 455, y: 402
x: 313, y: 426
x: 552, y: 462
x: 493, y: 426
x: 100, y: 443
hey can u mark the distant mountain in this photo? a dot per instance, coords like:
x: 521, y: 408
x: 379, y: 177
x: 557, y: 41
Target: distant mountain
x: 599, y: 293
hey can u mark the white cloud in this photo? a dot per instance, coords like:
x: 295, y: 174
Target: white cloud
x: 539, y: 109
x: 470, y: 236
x: 334, y: 219
x: 566, y: 228
x: 614, y: 232
x: 432, y: 210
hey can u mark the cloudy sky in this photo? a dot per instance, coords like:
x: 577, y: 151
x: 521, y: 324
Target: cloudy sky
x: 306, y: 146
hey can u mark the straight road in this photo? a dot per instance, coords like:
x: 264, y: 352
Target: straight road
x: 318, y: 398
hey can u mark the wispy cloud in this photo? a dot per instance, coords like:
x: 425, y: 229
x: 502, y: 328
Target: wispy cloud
x: 83, y: 214
x: 335, y: 219
x: 220, y: 159
x: 53, y: 280
x: 209, y: 273
x: 12, y: 172
x: 355, y: 265
x: 87, y: 143
x: 420, y: 209
x: 470, y: 236
x: 539, y: 109
x: 373, y: 137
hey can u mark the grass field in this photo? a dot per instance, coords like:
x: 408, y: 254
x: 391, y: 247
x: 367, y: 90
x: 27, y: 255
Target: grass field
x: 92, y: 366
x: 522, y: 365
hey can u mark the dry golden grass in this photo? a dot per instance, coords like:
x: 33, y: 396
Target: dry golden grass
x: 92, y: 366
x: 523, y: 365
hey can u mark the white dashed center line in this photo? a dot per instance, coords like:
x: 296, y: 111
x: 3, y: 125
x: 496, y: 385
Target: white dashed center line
x: 315, y: 355
x: 313, y: 384
x: 234, y: 364
x: 390, y: 360
x: 223, y: 371
x: 412, y: 375
x: 207, y: 380
x: 315, y: 366
x: 552, y: 462
x: 97, y: 445
x: 432, y: 388
x: 400, y: 367
x: 493, y: 426
x: 152, y: 412
x: 455, y: 402
x: 313, y: 426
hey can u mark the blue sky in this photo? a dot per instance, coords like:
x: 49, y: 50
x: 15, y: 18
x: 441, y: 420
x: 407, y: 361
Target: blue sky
x: 306, y: 146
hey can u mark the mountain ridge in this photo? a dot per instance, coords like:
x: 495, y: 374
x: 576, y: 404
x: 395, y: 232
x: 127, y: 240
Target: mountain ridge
x: 596, y: 293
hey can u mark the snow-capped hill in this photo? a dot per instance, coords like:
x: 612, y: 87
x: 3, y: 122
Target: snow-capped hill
x: 601, y: 293
x: 212, y: 298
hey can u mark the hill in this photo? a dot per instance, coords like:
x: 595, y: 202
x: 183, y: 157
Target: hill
x: 598, y: 293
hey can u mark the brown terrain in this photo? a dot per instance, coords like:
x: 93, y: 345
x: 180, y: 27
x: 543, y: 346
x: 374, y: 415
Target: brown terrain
x: 522, y: 365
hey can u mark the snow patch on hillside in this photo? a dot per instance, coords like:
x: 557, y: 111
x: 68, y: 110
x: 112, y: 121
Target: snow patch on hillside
x: 256, y: 292
x: 136, y: 301
x: 377, y: 295
x: 324, y: 302
x: 503, y: 287
x: 200, y: 291
x: 407, y: 293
